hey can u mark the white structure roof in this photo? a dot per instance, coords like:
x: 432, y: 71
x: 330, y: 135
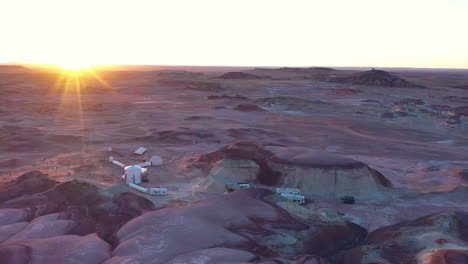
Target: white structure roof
x: 288, y: 191
x: 140, y: 150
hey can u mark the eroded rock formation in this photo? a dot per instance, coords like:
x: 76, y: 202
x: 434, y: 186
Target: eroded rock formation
x: 314, y: 172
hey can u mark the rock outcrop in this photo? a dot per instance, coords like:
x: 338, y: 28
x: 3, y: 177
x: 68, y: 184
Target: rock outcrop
x: 440, y: 238
x: 44, y: 221
x: 314, y: 172
x: 72, y: 222
x: 376, y: 78
x: 239, y: 75
x: 242, y: 221
x: 288, y: 103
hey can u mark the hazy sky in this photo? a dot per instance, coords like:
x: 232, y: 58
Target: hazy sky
x: 408, y: 33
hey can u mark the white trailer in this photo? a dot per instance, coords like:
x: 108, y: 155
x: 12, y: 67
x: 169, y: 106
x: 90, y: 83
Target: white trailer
x: 288, y: 191
x: 158, y: 191
x: 299, y: 199
x: 245, y: 186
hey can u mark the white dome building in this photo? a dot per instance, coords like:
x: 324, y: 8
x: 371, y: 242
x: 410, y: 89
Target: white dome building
x: 133, y: 174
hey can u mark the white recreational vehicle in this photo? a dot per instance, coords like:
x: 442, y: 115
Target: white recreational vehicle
x: 288, y: 191
x: 158, y: 191
x: 294, y: 197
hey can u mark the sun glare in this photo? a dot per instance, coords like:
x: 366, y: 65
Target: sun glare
x: 74, y: 66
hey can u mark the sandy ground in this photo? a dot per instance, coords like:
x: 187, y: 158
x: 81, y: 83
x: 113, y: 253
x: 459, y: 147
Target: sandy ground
x: 67, y: 135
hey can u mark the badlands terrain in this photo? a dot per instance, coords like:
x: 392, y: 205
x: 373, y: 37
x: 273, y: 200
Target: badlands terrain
x: 394, y: 139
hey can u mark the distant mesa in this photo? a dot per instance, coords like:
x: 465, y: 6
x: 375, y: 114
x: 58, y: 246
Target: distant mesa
x: 178, y: 73
x: 464, y: 86
x: 294, y: 73
x: 13, y: 69
x: 305, y: 70
x: 296, y: 69
x: 376, y: 78
x: 239, y: 75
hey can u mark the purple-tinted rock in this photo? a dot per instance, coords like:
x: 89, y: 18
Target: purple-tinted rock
x: 29, y: 183
x: 10, y: 216
x: 76, y: 202
x: 239, y: 75
x: 44, y: 230
x: 10, y: 230
x: 463, y: 174
x: 132, y: 205
x: 376, y: 78
x: 409, y: 101
x: 61, y: 249
x: 462, y: 111
x: 249, y: 108
x: 436, y: 238
x: 238, y: 220
x: 387, y: 115
x: 214, y: 256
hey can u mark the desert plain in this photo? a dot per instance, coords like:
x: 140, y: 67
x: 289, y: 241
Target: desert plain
x: 395, y: 139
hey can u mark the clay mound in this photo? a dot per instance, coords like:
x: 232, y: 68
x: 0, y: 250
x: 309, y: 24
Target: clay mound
x: 341, y: 92
x: 465, y: 86
x: 239, y: 75
x: 457, y: 99
x: 462, y: 111
x: 235, y: 97
x: 240, y: 221
x: 198, y: 118
x: 26, y: 184
x: 288, y: 103
x: 376, y: 78
x: 323, y: 173
x: 434, y: 239
x: 314, y: 172
x: 409, y: 101
x: 249, y: 108
x: 78, y: 203
x: 60, y: 249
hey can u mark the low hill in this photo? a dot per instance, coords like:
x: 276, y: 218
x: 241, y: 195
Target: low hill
x: 239, y: 75
x: 13, y: 69
x: 376, y: 78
